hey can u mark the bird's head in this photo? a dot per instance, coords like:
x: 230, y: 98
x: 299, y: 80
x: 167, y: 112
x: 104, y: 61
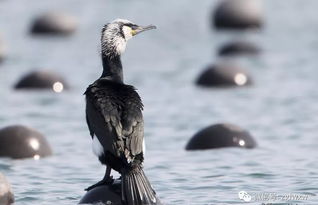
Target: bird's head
x: 116, y: 34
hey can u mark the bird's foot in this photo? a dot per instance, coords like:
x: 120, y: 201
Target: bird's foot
x: 107, y: 181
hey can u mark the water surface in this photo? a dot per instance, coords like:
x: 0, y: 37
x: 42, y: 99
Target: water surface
x: 280, y: 110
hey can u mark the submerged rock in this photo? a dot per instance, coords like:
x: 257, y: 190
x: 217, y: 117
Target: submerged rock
x: 239, y: 48
x: 238, y: 14
x: 42, y: 80
x: 224, y: 75
x: 23, y: 142
x: 54, y: 23
x: 106, y: 194
x: 6, y: 195
x: 221, y: 135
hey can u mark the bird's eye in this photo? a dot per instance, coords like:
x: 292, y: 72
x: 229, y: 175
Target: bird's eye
x: 133, y: 26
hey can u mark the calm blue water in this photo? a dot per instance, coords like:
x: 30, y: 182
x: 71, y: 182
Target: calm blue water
x: 280, y: 110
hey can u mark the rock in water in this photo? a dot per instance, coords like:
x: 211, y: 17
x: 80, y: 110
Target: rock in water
x: 42, y: 80
x: 239, y: 48
x: 22, y: 142
x: 221, y: 135
x: 224, y: 75
x: 106, y: 194
x: 238, y: 14
x: 54, y: 23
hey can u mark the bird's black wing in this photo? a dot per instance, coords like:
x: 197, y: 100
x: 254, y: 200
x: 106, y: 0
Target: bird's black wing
x: 132, y: 122
x: 114, y: 115
x: 103, y: 118
x: 90, y: 128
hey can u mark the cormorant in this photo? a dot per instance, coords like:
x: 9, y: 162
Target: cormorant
x: 114, y: 117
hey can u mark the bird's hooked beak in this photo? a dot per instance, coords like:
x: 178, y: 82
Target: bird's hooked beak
x: 140, y: 29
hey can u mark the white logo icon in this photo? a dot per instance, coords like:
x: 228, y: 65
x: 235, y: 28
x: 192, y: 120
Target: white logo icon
x: 243, y: 195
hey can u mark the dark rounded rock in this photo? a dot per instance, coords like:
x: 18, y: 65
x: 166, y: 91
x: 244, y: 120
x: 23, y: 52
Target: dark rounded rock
x: 42, y: 80
x: 239, y: 48
x: 221, y: 135
x: 223, y: 75
x: 22, y: 142
x: 6, y: 195
x: 238, y: 14
x: 106, y: 194
x: 54, y: 23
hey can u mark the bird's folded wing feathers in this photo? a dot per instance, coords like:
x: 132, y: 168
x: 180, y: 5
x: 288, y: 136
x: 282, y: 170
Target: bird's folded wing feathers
x: 118, y: 128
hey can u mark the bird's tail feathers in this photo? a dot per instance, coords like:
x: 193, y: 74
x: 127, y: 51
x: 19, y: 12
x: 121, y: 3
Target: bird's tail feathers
x: 136, y: 189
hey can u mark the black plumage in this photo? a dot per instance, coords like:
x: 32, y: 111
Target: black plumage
x: 114, y: 116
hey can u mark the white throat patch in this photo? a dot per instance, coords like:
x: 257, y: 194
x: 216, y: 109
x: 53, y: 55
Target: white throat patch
x: 113, y: 40
x: 120, y: 46
x: 127, y: 32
